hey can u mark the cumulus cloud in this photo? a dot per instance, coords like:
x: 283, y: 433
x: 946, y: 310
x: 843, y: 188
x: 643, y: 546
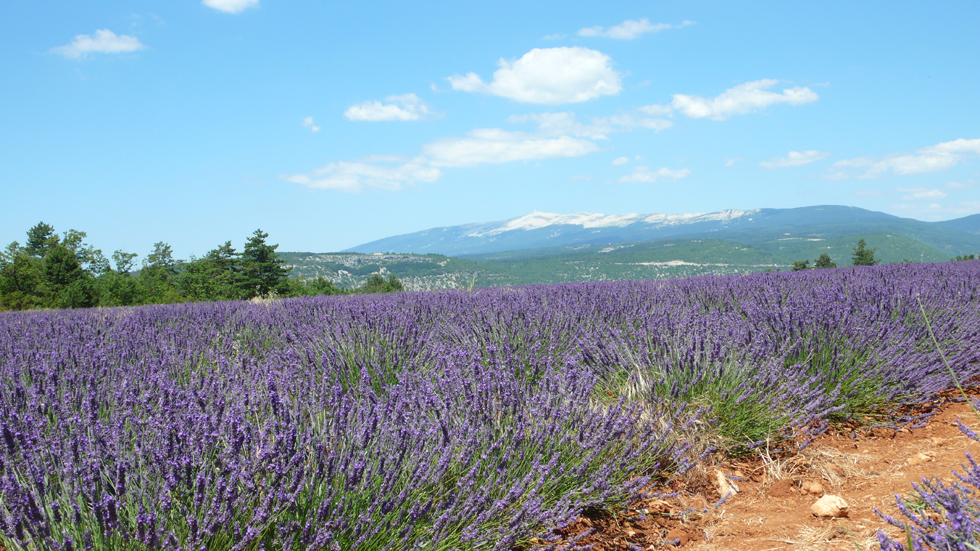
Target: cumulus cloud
x: 733, y: 160
x: 379, y: 172
x: 795, y: 158
x: 230, y: 6
x: 493, y: 145
x: 936, y: 158
x: 565, y: 123
x: 740, y: 100
x: 621, y: 160
x: 308, y: 123
x: 551, y: 76
x: 407, y: 107
x: 913, y: 193
x: 104, y: 42
x: 628, y: 30
x: 644, y: 175
x: 557, y: 135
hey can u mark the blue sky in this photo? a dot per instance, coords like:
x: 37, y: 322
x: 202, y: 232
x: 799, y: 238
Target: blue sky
x: 330, y: 124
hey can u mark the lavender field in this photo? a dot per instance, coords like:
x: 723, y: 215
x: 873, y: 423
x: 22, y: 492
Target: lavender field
x: 445, y: 420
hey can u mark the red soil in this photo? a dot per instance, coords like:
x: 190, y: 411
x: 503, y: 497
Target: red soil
x: 772, y: 510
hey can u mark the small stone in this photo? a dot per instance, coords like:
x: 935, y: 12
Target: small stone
x: 830, y: 506
x: 812, y: 488
x: 724, y: 487
x: 937, y: 441
x: 882, y: 432
x: 919, y: 459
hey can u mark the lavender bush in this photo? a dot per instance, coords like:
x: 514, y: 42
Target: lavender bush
x: 442, y: 420
x: 948, y: 517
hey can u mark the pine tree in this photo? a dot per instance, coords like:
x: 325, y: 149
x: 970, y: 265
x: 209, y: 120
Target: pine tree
x: 823, y: 261
x: 262, y: 270
x: 40, y: 238
x: 800, y: 265
x: 863, y: 256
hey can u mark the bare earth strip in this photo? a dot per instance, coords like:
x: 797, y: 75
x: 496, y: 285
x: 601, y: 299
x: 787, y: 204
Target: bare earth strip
x: 771, y: 509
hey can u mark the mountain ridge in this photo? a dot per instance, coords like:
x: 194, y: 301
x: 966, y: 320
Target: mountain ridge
x: 540, y: 230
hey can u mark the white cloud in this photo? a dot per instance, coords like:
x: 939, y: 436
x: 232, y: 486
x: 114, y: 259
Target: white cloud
x: 740, y: 100
x: 380, y: 172
x: 551, y: 76
x: 556, y: 138
x: 230, y: 6
x: 629, y: 122
x: 104, y: 42
x: 563, y: 124
x: 407, y: 107
x: 627, y: 30
x: 960, y: 185
x: 643, y: 174
x: 493, y: 145
x: 936, y: 158
x: 308, y: 123
x: 732, y: 161
x: 913, y: 193
x: 658, y: 110
x: 795, y: 158
x: 621, y: 160
x: 920, y: 207
x: 940, y: 211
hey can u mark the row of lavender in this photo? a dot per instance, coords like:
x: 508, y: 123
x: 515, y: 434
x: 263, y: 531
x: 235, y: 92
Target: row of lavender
x: 440, y: 420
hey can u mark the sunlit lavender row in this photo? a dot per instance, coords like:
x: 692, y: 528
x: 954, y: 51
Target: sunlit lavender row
x: 446, y: 420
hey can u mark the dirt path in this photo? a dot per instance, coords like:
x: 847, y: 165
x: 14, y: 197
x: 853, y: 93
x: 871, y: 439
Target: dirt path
x: 772, y: 510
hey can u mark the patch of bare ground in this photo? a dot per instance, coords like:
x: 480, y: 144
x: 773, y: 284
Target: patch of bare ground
x: 771, y: 506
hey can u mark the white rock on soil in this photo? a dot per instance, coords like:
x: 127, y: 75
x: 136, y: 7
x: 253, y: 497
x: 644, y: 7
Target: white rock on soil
x: 919, y: 459
x: 724, y: 486
x: 830, y: 506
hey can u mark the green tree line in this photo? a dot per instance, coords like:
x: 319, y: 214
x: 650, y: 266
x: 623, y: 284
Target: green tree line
x: 862, y: 256
x: 63, y: 271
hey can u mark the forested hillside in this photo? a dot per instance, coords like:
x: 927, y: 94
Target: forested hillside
x: 63, y: 271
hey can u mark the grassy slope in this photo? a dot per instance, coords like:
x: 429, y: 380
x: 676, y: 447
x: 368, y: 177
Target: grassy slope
x: 602, y: 262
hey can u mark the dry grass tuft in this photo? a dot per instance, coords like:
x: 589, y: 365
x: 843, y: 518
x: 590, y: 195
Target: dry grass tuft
x: 834, y: 535
x: 829, y: 464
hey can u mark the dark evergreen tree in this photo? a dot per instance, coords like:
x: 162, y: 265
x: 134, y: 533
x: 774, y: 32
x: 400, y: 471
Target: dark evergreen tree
x: 863, y: 256
x: 61, y: 268
x: 262, y: 268
x: 40, y: 238
x: 66, y: 284
x: 215, y: 276
x: 824, y: 261
x: 800, y: 265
